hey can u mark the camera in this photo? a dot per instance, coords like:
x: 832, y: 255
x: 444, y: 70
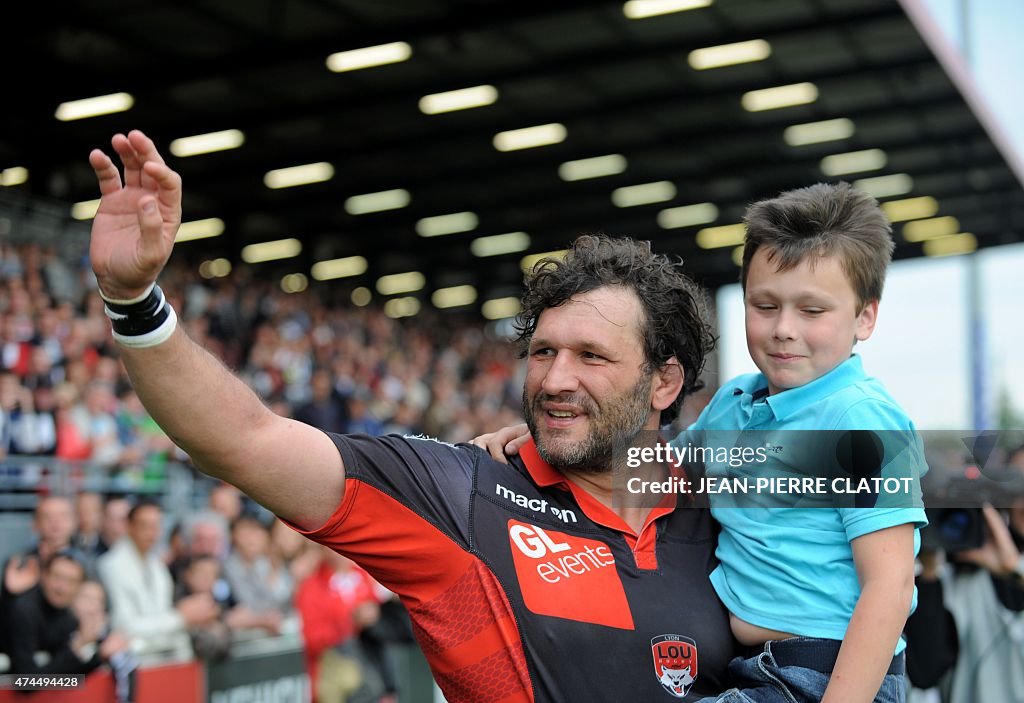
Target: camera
x: 955, y: 520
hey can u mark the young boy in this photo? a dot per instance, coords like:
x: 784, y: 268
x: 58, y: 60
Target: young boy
x: 821, y: 593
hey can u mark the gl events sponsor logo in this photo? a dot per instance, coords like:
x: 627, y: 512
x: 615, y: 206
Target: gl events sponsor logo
x: 567, y: 576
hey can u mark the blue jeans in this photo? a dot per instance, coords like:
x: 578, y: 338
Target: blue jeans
x: 777, y: 677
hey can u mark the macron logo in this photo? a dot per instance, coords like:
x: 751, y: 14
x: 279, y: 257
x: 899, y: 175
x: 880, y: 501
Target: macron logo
x: 538, y: 505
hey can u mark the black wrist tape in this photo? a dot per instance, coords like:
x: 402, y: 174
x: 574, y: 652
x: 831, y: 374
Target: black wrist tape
x: 141, y: 318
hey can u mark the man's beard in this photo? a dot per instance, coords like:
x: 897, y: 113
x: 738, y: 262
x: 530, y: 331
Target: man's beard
x: 617, y: 422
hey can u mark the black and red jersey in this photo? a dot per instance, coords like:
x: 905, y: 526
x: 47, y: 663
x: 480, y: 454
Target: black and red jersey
x: 523, y: 587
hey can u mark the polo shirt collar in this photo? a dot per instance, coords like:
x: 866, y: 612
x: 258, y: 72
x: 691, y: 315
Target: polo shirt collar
x: 789, y: 402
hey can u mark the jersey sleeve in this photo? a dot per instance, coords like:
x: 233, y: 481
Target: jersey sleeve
x: 406, y: 509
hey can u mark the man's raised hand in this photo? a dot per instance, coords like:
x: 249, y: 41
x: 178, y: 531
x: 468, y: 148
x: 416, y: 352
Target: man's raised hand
x: 138, y: 217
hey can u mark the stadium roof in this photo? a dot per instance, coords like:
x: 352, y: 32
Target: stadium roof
x: 632, y: 89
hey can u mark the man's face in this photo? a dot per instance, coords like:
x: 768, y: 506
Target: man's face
x: 144, y: 528
x: 802, y: 323
x: 60, y: 582
x: 55, y: 521
x: 251, y: 540
x: 90, y: 601
x: 586, y: 388
x: 89, y: 509
x: 115, y: 519
x: 207, y: 540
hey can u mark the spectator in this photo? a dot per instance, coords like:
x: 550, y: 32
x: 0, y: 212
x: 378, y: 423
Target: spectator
x: 972, y: 615
x: 54, y: 523
x: 255, y: 582
x: 327, y: 409
x: 88, y: 538
x: 23, y: 428
x: 141, y: 591
x: 211, y: 639
x: 96, y: 424
x: 89, y: 514
x: 226, y: 500
x: 362, y: 420
x: 90, y: 609
x: 335, y: 602
x: 115, y: 522
x: 41, y: 620
x: 204, y: 534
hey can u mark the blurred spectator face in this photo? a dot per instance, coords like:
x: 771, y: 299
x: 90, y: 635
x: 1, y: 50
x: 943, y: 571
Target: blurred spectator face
x: 107, y: 370
x: 90, y: 601
x: 250, y: 538
x: 98, y: 399
x: 66, y: 395
x: 207, y: 540
x: 40, y: 363
x: 202, y: 574
x: 144, y: 527
x: 55, y: 521
x: 89, y: 510
x: 321, y: 386
x: 45, y: 400
x: 76, y: 371
x: 115, y: 519
x: 60, y: 581
x: 226, y: 500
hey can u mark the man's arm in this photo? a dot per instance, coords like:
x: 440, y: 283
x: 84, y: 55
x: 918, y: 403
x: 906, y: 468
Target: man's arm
x: 291, y: 468
x: 885, y: 567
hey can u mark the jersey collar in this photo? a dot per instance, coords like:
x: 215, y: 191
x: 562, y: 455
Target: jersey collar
x: 545, y: 475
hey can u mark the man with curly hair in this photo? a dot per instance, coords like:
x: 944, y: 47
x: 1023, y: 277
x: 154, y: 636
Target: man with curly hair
x: 523, y: 584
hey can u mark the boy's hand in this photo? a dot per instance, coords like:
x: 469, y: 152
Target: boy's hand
x: 137, y: 220
x: 505, y: 441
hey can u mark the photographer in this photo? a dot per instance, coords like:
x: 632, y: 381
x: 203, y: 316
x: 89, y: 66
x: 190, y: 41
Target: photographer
x: 970, y: 616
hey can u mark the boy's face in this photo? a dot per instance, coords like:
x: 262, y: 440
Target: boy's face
x: 803, y: 322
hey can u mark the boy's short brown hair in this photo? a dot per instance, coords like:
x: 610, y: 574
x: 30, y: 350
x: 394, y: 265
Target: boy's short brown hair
x: 826, y: 219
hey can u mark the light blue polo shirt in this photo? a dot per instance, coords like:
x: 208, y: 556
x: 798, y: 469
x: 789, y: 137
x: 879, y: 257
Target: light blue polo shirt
x: 792, y: 569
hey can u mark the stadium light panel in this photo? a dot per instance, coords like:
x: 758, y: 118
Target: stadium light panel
x: 729, y: 54
x: 779, y: 97
x: 369, y: 56
x: 94, y: 107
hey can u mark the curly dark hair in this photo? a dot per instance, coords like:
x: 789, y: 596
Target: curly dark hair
x: 676, y: 312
